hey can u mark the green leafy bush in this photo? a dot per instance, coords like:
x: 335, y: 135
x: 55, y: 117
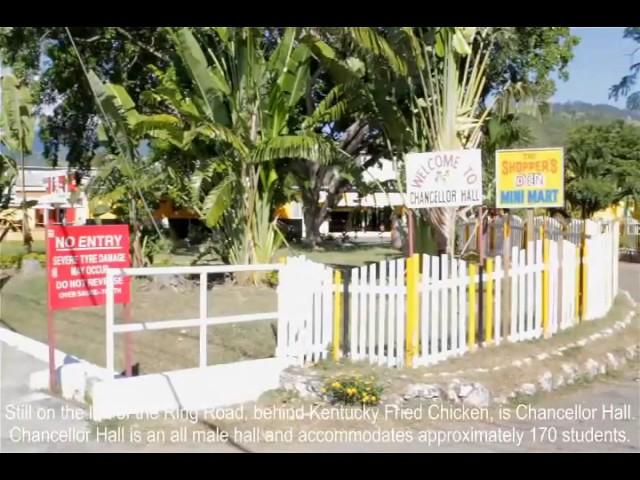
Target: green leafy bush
x: 10, y: 261
x: 353, y: 390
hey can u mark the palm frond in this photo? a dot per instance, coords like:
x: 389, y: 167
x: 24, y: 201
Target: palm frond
x: 370, y: 40
x: 308, y: 146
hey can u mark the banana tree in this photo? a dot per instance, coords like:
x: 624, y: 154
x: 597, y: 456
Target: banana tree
x: 8, y: 174
x: 17, y: 135
x: 125, y: 180
x: 240, y: 103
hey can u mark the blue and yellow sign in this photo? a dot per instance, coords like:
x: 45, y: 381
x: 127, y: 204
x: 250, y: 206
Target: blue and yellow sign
x: 531, y: 178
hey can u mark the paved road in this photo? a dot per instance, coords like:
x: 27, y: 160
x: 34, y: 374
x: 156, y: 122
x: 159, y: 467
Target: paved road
x: 19, y: 422
x: 629, y: 279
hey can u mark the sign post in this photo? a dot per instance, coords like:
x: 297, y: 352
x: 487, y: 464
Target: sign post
x: 441, y: 179
x: 77, y: 259
x: 529, y: 179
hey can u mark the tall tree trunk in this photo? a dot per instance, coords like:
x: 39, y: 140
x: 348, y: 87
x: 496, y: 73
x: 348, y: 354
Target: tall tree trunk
x: 26, y: 229
x: 312, y: 225
x: 138, y: 256
x: 443, y: 219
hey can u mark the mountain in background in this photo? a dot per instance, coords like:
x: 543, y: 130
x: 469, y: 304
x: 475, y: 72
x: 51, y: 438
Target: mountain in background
x: 552, y: 130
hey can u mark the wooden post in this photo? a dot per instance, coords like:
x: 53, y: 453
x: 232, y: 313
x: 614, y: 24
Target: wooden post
x: 471, y: 329
x: 506, y: 281
x: 560, y: 301
x: 413, y: 272
x: 488, y: 332
x: 545, y: 287
x: 480, y: 273
x: 346, y: 311
x: 585, y: 268
x: 337, y: 314
x: 577, y: 285
x: 51, y: 337
x: 582, y: 264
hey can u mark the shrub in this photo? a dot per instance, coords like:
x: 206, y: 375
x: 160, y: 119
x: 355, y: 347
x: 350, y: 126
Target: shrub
x: 353, y: 390
x: 10, y: 261
x: 272, y: 279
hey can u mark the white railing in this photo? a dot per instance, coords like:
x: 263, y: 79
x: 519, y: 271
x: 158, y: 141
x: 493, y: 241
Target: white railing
x: 203, y: 320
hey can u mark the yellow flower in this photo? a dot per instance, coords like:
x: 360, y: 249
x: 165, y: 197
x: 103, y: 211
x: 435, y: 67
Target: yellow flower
x: 336, y: 385
x: 373, y: 399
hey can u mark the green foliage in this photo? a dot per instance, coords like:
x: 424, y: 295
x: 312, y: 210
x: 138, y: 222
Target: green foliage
x: 353, y: 390
x: 8, y: 173
x: 222, y: 109
x: 121, y: 55
x: 17, y: 132
x: 602, y: 165
x: 16, y: 117
x: 628, y: 82
x: 10, y: 261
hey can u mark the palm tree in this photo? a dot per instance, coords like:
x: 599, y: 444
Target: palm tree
x: 623, y: 89
x: 445, y: 80
x: 17, y: 134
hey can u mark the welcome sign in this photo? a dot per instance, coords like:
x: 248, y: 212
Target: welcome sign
x: 444, y: 179
x: 530, y: 178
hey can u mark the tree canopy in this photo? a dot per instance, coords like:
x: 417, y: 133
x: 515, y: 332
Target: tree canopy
x: 602, y: 166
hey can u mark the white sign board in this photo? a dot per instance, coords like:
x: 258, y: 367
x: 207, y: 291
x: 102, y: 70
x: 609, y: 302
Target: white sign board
x: 444, y: 179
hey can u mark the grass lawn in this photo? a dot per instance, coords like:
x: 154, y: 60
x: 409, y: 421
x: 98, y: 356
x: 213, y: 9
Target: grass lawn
x: 15, y: 248
x: 81, y: 331
x: 331, y: 253
x: 336, y: 254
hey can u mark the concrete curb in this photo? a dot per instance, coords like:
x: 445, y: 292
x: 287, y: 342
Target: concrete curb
x: 558, y: 352
x: 74, y: 374
x: 33, y: 347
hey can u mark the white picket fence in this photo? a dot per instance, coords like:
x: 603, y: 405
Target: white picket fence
x: 377, y: 301
x: 466, y: 232
x: 377, y: 311
x: 305, y: 305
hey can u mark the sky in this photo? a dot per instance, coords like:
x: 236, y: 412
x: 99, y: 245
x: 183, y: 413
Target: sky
x: 600, y: 60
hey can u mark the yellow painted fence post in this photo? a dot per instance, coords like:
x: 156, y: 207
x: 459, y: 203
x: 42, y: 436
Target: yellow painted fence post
x: 545, y: 285
x: 577, y: 286
x: 337, y: 314
x: 471, y: 330
x: 488, y: 324
x: 413, y: 272
x: 585, y: 268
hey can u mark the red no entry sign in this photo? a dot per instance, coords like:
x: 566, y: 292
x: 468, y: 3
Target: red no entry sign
x: 77, y: 260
